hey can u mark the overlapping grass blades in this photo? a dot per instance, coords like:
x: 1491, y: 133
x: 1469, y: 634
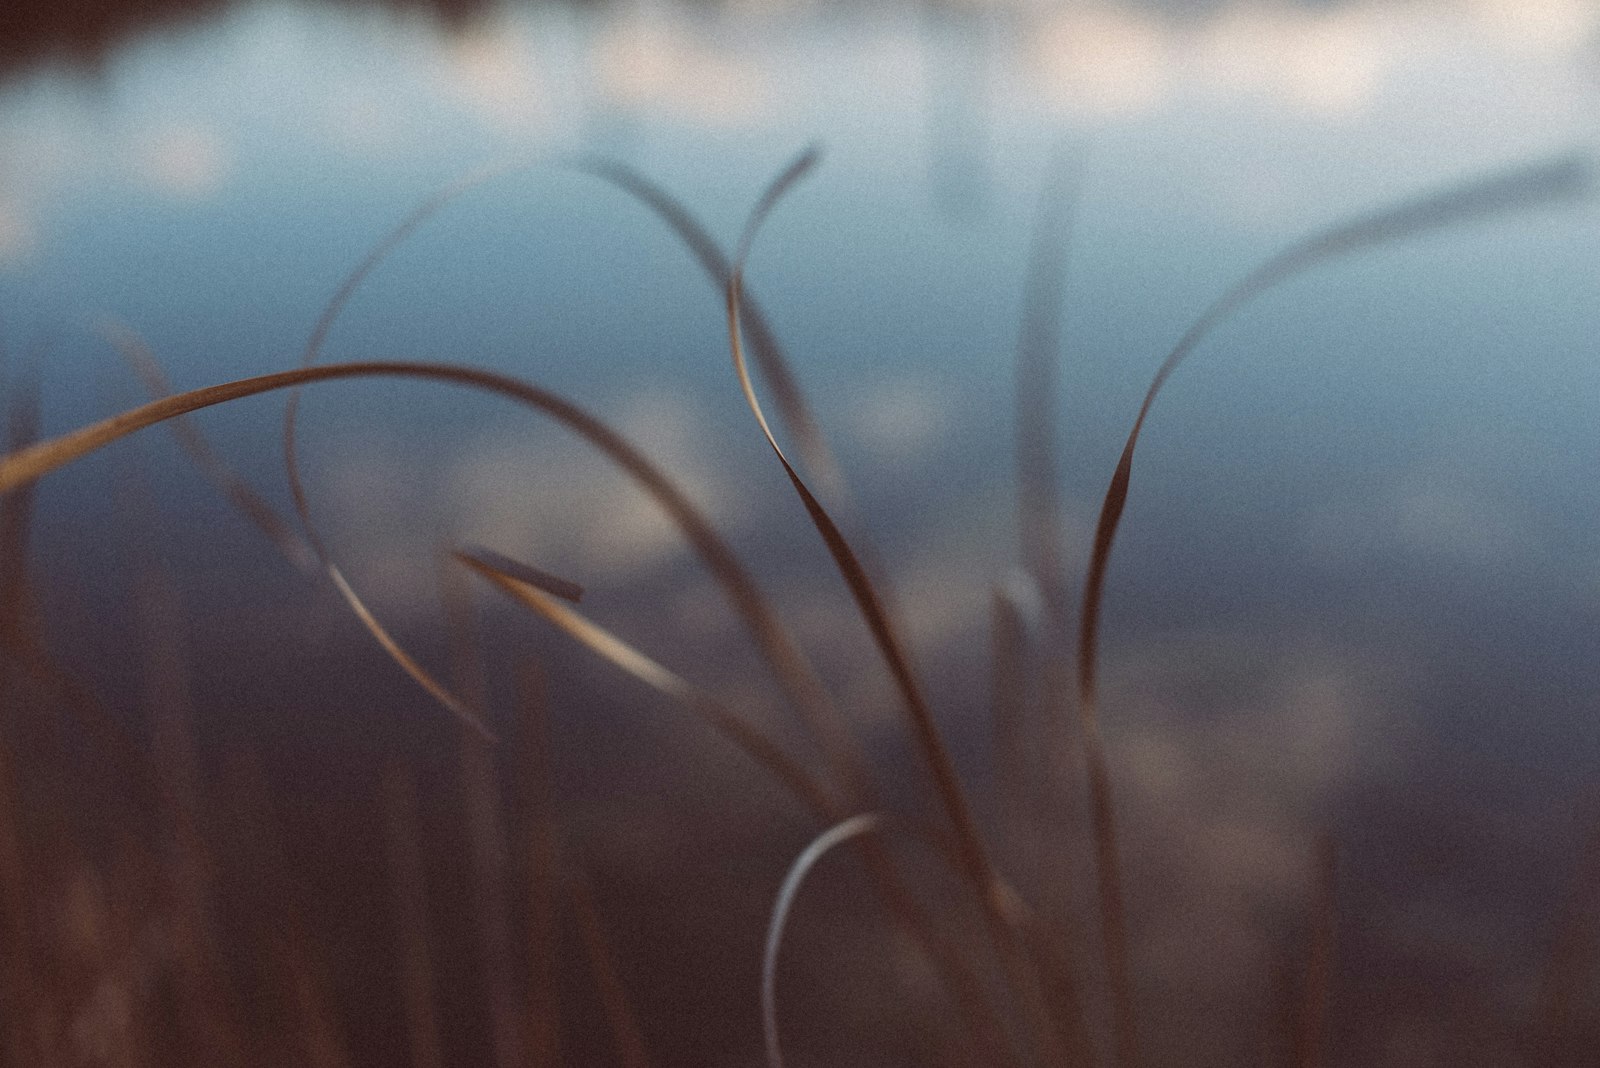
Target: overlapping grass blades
x: 971, y: 854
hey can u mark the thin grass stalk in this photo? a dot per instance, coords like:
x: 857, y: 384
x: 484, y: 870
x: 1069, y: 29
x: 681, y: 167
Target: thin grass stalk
x: 1563, y: 178
x: 794, y: 413
x: 1569, y: 970
x: 794, y: 672
x: 244, y: 499
x: 543, y: 1012
x: 306, y: 1019
x: 626, y: 1036
x: 202, y: 975
x: 24, y: 1038
x: 834, y: 836
x: 759, y: 746
x: 480, y: 781
x: 302, y: 505
x: 973, y: 857
x: 410, y: 904
x: 1041, y: 538
x: 1310, y: 1037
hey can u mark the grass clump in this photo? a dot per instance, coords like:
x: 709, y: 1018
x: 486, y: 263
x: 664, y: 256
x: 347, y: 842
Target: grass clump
x: 1018, y: 989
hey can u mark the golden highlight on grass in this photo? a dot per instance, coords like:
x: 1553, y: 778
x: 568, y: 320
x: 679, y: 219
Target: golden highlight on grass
x: 721, y: 719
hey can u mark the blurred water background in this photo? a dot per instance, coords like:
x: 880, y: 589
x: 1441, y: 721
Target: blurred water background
x: 1357, y: 592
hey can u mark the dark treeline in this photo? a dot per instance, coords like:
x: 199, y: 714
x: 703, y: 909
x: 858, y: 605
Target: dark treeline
x: 82, y: 33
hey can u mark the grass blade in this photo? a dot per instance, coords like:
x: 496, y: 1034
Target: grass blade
x: 489, y: 560
x: 1526, y: 186
x: 806, y: 788
x: 23, y: 467
x: 1311, y: 1028
x: 480, y: 785
x: 811, y: 445
x: 787, y: 892
x: 544, y: 876
x: 411, y: 916
x: 720, y: 718
x: 973, y: 857
x: 625, y: 1033
x: 244, y: 499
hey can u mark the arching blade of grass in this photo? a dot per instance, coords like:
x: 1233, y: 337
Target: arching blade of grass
x: 974, y: 859
x: 23, y: 467
x: 794, y: 672
x: 302, y: 505
x: 811, y: 445
x: 827, y: 840
x: 1519, y: 188
x: 245, y: 500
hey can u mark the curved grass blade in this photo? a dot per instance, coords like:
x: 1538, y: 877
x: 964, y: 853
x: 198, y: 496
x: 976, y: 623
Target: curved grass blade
x: 795, y: 674
x: 827, y: 840
x: 973, y: 857
x: 1565, y: 177
x: 302, y: 505
x: 25, y: 466
x: 811, y: 445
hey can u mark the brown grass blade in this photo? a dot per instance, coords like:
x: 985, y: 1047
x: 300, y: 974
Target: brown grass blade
x: 480, y: 781
x: 1518, y: 188
x: 625, y: 1033
x: 544, y: 876
x: 834, y: 836
x: 1569, y: 971
x: 811, y: 445
x: 718, y: 716
x: 963, y: 984
x: 973, y: 857
x: 489, y: 560
x: 302, y: 505
x: 411, y: 916
x: 23, y: 467
x: 245, y: 500
x: 1310, y: 1037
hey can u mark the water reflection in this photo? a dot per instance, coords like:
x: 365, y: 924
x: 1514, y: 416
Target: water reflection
x: 1357, y: 590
